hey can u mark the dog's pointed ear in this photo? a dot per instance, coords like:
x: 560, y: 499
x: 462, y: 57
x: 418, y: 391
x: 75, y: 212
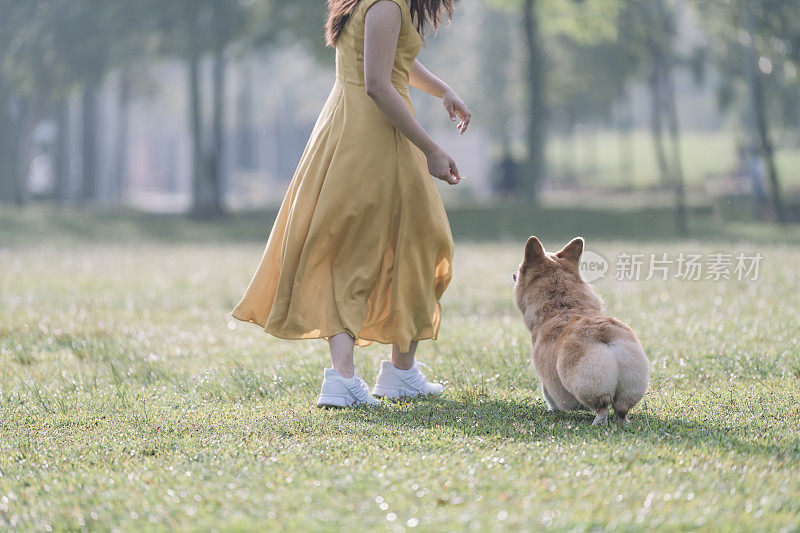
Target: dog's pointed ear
x: 572, y: 252
x: 534, y: 251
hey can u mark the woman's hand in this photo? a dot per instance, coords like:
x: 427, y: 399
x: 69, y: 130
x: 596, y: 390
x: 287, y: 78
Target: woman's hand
x: 442, y: 166
x: 457, y: 109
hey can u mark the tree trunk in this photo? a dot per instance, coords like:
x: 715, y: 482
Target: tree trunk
x: 89, y: 138
x: 768, y: 152
x: 536, y: 119
x: 218, y: 178
x: 757, y: 125
x: 568, y: 151
x: 18, y: 116
x: 671, y: 110
x: 574, y: 152
x: 627, y: 163
x: 7, y: 172
x: 200, y: 203
x: 650, y: 14
x: 656, y: 125
x: 592, y: 152
x: 62, y: 160
x: 244, y: 116
x: 27, y: 115
x: 663, y: 106
x: 122, y: 134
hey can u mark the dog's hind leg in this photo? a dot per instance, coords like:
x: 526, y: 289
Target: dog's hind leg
x: 551, y: 405
x: 602, y: 417
x: 600, y: 406
x: 621, y: 419
x: 621, y: 408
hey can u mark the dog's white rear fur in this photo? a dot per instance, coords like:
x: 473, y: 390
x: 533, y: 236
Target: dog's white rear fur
x: 584, y: 359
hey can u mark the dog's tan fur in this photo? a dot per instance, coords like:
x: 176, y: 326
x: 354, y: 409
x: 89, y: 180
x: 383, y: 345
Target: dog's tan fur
x: 584, y: 359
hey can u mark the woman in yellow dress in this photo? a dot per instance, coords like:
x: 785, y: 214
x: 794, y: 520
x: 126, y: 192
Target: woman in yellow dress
x: 361, y: 249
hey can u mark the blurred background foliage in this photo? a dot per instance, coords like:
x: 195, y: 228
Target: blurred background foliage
x: 204, y: 106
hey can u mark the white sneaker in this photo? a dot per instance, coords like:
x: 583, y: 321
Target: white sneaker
x: 344, y: 392
x: 395, y: 383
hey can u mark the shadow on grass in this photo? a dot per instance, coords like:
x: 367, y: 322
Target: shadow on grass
x: 528, y: 420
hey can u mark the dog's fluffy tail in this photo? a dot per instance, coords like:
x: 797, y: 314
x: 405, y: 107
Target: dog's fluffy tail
x: 593, y: 378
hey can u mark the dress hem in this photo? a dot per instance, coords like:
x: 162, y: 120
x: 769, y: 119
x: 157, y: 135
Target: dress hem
x: 357, y: 339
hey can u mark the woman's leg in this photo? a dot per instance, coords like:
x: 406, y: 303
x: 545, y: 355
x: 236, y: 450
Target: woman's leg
x: 340, y: 385
x: 401, y: 377
x: 341, y: 346
x: 403, y: 360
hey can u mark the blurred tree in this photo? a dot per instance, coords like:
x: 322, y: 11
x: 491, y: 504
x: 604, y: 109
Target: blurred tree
x: 756, y: 46
x: 22, y: 78
x: 194, y: 28
x: 537, y: 110
x: 80, y: 65
x: 651, y: 27
x: 185, y: 30
x: 581, y: 55
x: 571, y: 27
x: 46, y: 59
x: 121, y: 40
x: 494, y: 49
x: 592, y: 68
x: 496, y: 98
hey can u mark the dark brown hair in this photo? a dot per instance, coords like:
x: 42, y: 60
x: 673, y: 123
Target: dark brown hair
x: 422, y: 12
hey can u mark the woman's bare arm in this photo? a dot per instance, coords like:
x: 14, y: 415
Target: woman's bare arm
x: 424, y: 80
x: 383, y: 21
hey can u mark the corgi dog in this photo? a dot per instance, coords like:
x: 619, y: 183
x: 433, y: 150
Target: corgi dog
x: 585, y: 359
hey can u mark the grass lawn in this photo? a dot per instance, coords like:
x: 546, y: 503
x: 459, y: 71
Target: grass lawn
x: 594, y: 158
x: 129, y: 400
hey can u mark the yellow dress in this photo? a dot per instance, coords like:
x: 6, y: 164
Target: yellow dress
x: 361, y: 243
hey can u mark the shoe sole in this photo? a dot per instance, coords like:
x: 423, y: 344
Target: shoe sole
x: 326, y: 407
x: 331, y: 401
x: 393, y: 393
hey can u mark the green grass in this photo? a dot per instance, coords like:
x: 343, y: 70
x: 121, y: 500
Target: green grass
x: 128, y: 400
x: 594, y: 159
x: 606, y: 217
